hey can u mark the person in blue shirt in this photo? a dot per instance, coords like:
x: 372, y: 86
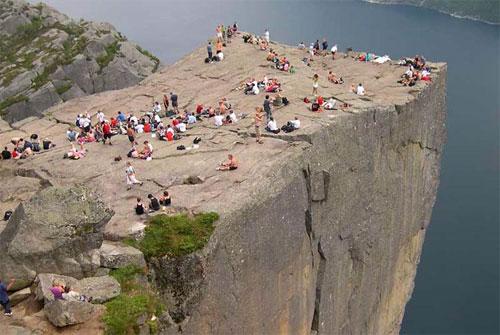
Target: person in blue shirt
x: 121, y: 117
x: 4, y: 296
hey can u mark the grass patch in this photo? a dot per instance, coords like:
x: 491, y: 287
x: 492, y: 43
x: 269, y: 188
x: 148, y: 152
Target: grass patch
x: 10, y: 76
x: 151, y: 56
x: 134, y: 301
x: 63, y: 89
x: 176, y: 235
x: 111, y: 51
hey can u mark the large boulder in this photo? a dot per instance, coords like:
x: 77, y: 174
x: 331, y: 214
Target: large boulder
x: 115, y: 255
x: 63, y: 313
x: 59, y: 230
x: 19, y: 296
x: 101, y: 289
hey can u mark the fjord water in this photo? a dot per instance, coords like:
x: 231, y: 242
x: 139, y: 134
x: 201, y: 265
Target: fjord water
x: 457, y: 284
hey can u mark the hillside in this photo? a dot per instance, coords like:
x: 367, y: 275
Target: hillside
x: 47, y: 58
x: 482, y: 10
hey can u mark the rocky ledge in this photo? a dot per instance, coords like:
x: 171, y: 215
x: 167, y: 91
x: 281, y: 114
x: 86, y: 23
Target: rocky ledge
x: 47, y: 58
x: 320, y: 230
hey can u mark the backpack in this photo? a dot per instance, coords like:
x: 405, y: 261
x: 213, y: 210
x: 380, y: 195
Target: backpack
x: 36, y: 147
x: 285, y: 101
x: 181, y: 147
x: 7, y: 215
x: 306, y: 100
x: 207, y: 60
x: 197, y: 140
x: 315, y: 107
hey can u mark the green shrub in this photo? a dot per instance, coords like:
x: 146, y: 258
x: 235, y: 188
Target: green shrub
x: 111, y: 51
x: 11, y: 101
x: 122, y: 313
x: 126, y: 276
x: 150, y: 55
x: 176, y: 235
x: 63, y: 89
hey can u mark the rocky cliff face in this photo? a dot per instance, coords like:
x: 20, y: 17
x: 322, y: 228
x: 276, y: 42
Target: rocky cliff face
x: 47, y: 58
x: 320, y: 230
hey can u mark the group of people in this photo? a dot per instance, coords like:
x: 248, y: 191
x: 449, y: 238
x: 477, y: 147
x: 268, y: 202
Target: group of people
x: 417, y: 70
x: 280, y: 63
x: 267, y: 85
x: 320, y: 49
x: 65, y: 292
x: 24, y: 148
x: 154, y: 203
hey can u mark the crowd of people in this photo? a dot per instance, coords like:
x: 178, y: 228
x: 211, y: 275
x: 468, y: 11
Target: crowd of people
x: 417, y: 70
x: 24, y: 148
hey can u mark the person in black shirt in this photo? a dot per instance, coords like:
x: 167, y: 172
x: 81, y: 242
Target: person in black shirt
x: 139, y: 208
x: 165, y: 199
x: 154, y: 204
x: 175, y: 102
x: 6, y: 154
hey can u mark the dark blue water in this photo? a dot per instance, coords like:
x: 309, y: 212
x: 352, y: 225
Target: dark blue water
x: 457, y: 285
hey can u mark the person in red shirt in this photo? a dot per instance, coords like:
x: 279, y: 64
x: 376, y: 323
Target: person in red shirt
x: 147, y: 127
x: 199, y: 109
x: 170, y: 136
x: 320, y: 101
x: 106, y: 131
x: 114, y: 123
x: 175, y: 122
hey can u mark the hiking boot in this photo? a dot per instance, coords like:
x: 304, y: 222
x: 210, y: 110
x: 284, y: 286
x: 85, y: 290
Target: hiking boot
x: 8, y: 314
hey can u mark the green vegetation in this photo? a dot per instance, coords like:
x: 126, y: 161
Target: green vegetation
x: 11, y: 101
x: 176, y: 235
x: 63, y: 89
x: 151, y: 56
x: 134, y: 301
x: 111, y: 51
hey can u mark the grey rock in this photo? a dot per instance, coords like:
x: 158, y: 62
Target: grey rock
x: 74, y: 92
x: 45, y: 281
x: 65, y: 313
x: 94, y: 49
x: 57, y: 231
x: 82, y: 72
x: 10, y: 24
x: 115, y: 255
x: 21, y: 83
x: 19, y: 296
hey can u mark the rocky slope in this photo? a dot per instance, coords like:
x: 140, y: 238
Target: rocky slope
x: 320, y: 230
x: 482, y: 10
x: 47, y: 58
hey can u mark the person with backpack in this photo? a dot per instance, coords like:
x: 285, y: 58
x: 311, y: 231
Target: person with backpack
x: 4, y: 296
x: 154, y: 204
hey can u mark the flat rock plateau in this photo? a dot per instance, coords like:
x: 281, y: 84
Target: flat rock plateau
x: 320, y: 230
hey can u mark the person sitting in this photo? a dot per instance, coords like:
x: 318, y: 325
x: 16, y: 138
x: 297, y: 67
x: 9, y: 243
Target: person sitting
x: 147, y: 151
x: 133, y: 153
x: 181, y: 127
x: 229, y: 165
x: 71, y: 135
x: 232, y: 116
x: 154, y: 204
x: 57, y: 290
x: 272, y: 127
x: 359, y: 90
x: 218, y: 120
x: 165, y: 199
x: 278, y: 100
x: 70, y: 295
x: 74, y: 153
x: 333, y: 78
x: 139, y: 128
x: 295, y: 123
x: 157, y: 108
x: 301, y: 46
x: 330, y: 104
x: 6, y: 154
x: 47, y: 144
x: 139, y: 207
x: 147, y: 127
x: 191, y: 119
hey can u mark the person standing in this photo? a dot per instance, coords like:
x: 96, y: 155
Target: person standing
x: 267, y: 108
x: 175, y: 102
x: 266, y: 36
x: 324, y: 45
x: 4, y: 296
x: 106, y: 131
x: 315, y: 84
x: 131, y: 179
x: 258, y: 123
x: 165, y: 102
x: 209, y: 51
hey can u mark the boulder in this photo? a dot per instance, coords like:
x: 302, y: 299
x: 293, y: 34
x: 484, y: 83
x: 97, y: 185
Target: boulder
x: 58, y: 230
x: 116, y: 255
x: 101, y: 289
x: 19, y: 296
x: 63, y: 313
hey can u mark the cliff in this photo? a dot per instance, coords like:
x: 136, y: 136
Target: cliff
x: 320, y: 230
x: 47, y: 58
x: 483, y: 10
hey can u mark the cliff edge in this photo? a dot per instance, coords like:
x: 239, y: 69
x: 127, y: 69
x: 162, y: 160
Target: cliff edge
x: 320, y: 230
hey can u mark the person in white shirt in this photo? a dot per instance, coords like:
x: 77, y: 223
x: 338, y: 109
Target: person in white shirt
x: 157, y: 118
x: 301, y: 46
x: 101, y: 117
x: 333, y: 50
x: 272, y: 126
x: 360, y: 90
x: 330, y: 104
x: 218, y: 120
x: 181, y: 127
x: 220, y: 55
x: 133, y: 119
x: 139, y: 128
x: 255, y: 89
x: 232, y: 117
x: 191, y: 119
x: 296, y: 123
x: 266, y: 35
x: 157, y: 107
x: 85, y: 123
